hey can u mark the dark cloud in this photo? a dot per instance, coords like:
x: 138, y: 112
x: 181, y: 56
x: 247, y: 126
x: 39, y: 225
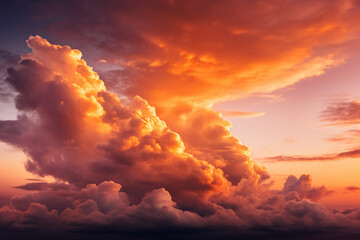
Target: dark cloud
x: 119, y: 166
x: 179, y: 50
x: 352, y: 188
x: 7, y: 59
x: 38, y: 186
x: 105, y: 206
x: 300, y: 188
x: 11, y: 129
x: 4, y: 200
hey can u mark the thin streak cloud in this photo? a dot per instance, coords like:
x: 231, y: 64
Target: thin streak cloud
x: 241, y: 114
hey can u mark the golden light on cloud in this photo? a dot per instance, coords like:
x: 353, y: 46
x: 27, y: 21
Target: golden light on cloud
x: 147, y: 138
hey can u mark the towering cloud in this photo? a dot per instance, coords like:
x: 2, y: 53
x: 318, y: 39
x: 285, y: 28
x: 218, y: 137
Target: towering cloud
x: 76, y: 131
x: 184, y: 56
x: 118, y: 165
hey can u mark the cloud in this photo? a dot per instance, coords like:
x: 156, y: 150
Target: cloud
x: 350, y: 137
x: 342, y: 113
x: 102, y: 205
x: 182, y: 57
x: 301, y: 188
x: 118, y: 166
x: 214, y: 141
x: 196, y: 51
x: 129, y: 167
x: 34, y: 179
x: 352, y: 188
x: 65, y: 113
x: 7, y: 59
x: 241, y: 114
x: 354, y: 153
x: 37, y: 186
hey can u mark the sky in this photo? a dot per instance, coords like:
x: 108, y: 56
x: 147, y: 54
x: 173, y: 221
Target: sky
x: 174, y: 117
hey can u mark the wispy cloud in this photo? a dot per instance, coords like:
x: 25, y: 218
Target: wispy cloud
x: 178, y: 166
x: 241, y: 114
x: 349, y: 137
x: 342, y: 113
x: 203, y: 54
x: 352, y: 188
x: 355, y: 153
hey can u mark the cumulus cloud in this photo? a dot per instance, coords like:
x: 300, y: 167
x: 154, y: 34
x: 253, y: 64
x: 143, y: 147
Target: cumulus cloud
x: 182, y: 57
x: 301, y: 188
x: 76, y: 131
x: 106, y: 205
x: 37, y: 186
x: 214, y: 141
x: 118, y: 165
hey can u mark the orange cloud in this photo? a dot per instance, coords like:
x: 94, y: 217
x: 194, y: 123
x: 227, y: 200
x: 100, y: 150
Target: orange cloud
x: 200, y: 51
x: 301, y: 188
x: 118, y: 165
x: 66, y: 113
x: 128, y: 166
x: 352, y: 188
x: 182, y: 57
x: 241, y: 114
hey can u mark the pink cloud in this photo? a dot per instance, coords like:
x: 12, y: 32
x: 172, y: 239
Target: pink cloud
x: 300, y: 188
x: 67, y: 114
x: 354, y: 153
x: 198, y: 51
x: 118, y: 165
x: 342, y: 113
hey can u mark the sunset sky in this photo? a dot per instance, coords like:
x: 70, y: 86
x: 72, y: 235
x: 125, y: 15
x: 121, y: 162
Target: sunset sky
x: 244, y: 115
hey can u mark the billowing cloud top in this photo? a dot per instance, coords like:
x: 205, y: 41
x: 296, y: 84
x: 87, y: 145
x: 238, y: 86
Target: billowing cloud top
x: 95, y: 145
x: 117, y: 163
x: 76, y: 131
